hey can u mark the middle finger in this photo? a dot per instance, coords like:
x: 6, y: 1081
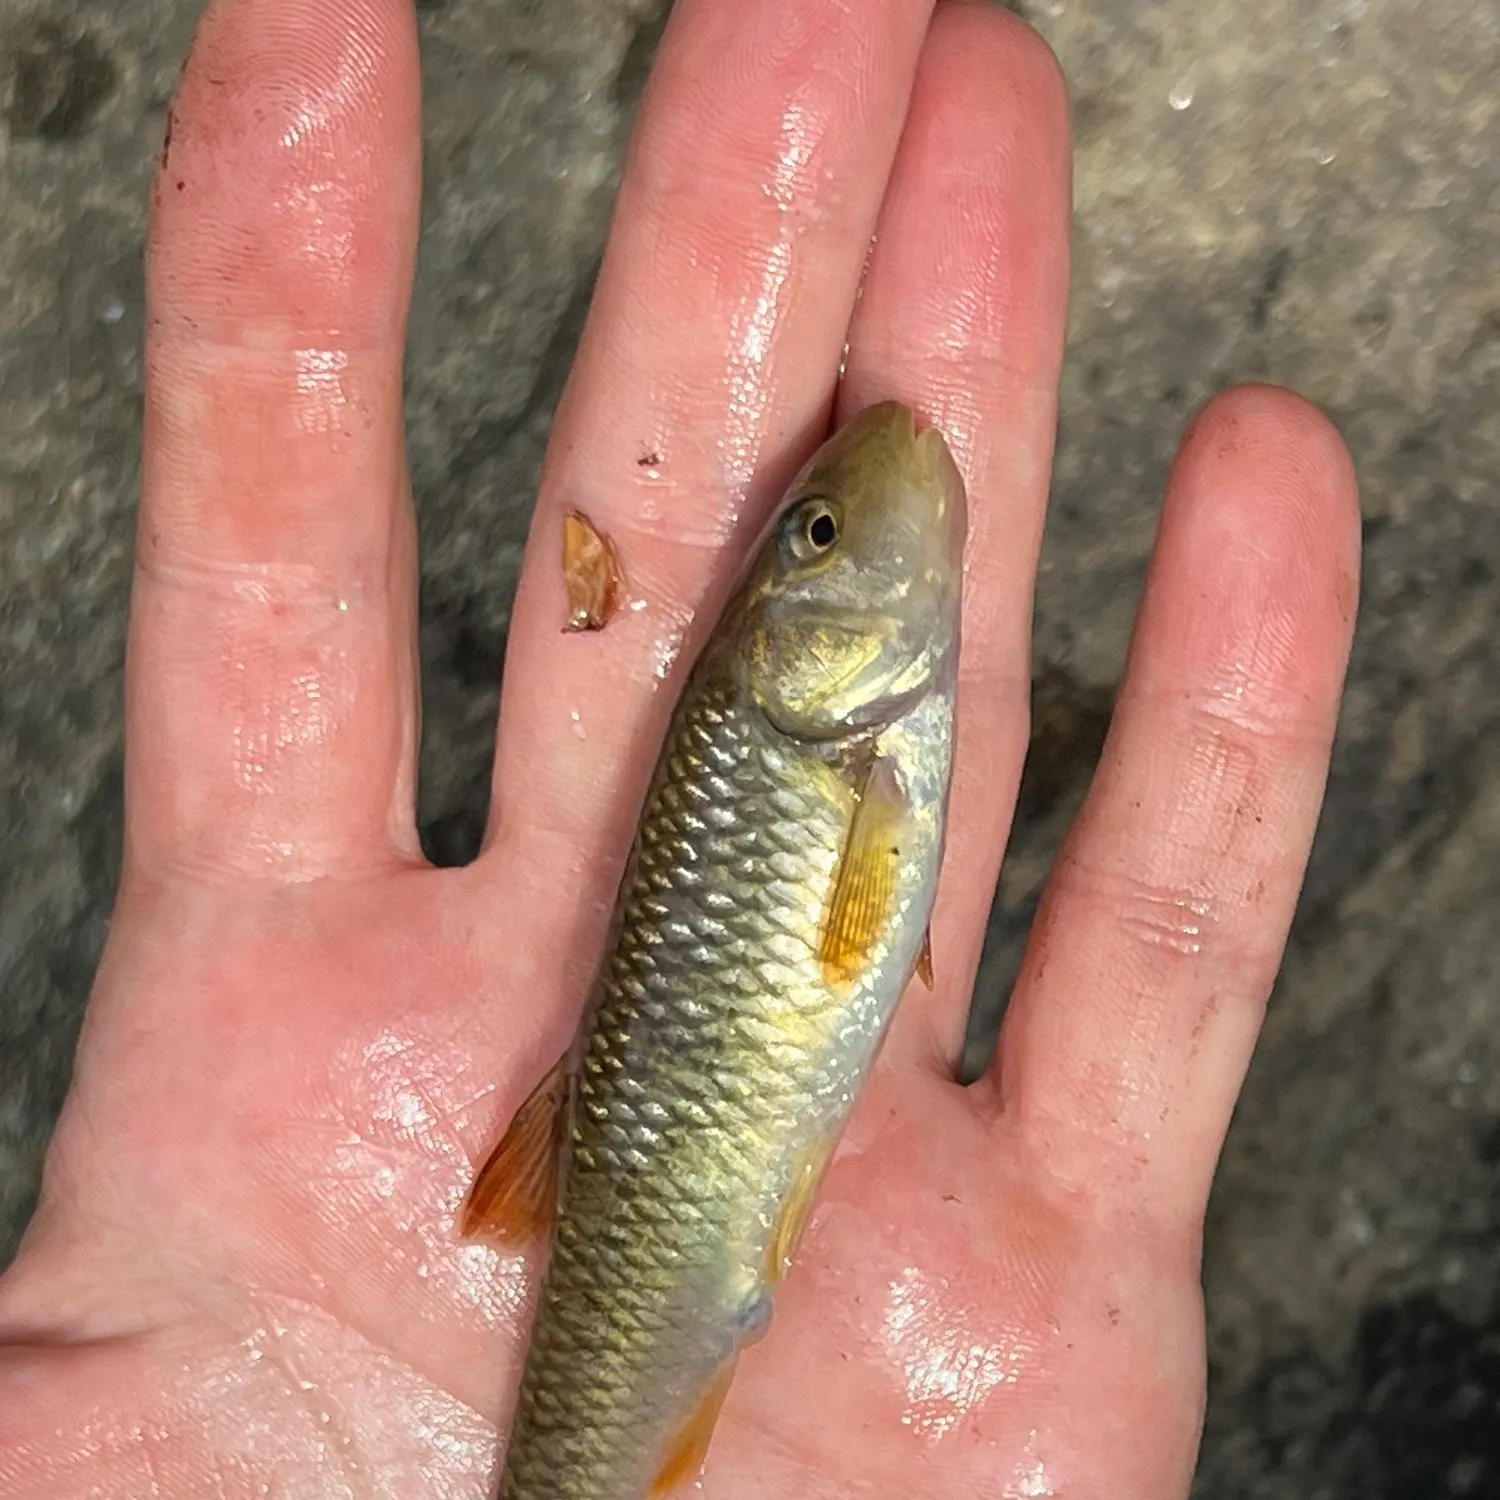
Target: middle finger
x: 962, y: 317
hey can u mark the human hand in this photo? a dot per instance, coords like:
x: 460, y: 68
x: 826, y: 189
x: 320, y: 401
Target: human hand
x: 245, y: 1276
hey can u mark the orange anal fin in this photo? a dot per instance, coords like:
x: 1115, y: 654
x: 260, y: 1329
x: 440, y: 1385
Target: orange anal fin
x: 592, y: 573
x: 924, y: 959
x: 796, y: 1210
x: 864, y: 884
x: 514, y: 1198
x: 683, y: 1456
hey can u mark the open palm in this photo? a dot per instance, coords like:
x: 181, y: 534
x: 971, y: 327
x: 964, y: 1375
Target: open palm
x: 245, y: 1277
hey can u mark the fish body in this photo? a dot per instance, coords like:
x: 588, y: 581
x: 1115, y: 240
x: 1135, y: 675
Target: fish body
x: 773, y: 909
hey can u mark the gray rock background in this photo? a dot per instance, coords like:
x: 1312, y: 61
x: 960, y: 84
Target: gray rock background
x: 1306, y: 191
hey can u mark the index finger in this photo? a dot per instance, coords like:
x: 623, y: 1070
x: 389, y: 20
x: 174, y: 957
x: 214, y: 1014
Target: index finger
x: 707, y: 366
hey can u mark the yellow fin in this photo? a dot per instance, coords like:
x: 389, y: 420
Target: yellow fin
x: 684, y: 1454
x: 796, y: 1209
x: 864, y: 886
x: 514, y: 1198
x: 924, y: 958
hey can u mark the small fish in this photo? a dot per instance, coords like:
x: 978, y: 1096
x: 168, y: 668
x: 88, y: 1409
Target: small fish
x: 774, y: 907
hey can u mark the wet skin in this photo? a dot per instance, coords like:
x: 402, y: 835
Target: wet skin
x: 245, y: 1275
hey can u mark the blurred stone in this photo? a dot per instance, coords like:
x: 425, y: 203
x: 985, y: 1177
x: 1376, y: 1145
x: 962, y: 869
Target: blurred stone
x: 1307, y: 194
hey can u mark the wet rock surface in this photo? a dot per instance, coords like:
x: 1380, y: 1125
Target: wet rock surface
x: 1310, y: 195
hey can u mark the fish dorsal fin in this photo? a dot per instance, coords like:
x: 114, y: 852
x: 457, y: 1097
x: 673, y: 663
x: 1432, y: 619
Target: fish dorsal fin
x: 864, y: 884
x: 683, y: 1456
x: 514, y: 1198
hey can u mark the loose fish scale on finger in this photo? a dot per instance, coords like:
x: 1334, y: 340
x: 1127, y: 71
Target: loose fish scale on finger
x: 591, y: 574
x: 773, y: 907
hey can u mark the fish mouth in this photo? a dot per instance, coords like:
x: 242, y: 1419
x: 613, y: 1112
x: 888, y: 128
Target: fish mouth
x: 947, y: 484
x: 921, y: 450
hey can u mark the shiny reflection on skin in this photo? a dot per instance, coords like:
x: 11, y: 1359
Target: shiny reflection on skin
x: 325, y: 220
x: 947, y: 1373
x: 319, y: 216
x: 407, y: 1110
x: 346, y: 93
x: 753, y: 331
x: 322, y: 400
x: 257, y: 1409
x: 299, y: 717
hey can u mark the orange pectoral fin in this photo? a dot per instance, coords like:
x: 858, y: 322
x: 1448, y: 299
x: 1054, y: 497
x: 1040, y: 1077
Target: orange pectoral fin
x: 514, y: 1198
x: 684, y: 1454
x: 864, y: 885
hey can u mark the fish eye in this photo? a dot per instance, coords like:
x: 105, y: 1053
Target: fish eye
x: 813, y: 530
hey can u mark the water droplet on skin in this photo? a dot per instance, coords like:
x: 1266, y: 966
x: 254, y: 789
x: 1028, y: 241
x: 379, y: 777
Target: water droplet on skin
x: 476, y: 1267
x: 411, y: 1112
x: 636, y: 606
x: 1181, y: 97
x: 1031, y: 1482
x: 577, y: 721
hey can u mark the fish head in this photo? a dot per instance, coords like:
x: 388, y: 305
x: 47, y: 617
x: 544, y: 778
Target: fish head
x: 851, y: 606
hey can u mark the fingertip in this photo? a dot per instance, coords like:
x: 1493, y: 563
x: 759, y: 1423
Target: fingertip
x: 990, y: 34
x: 287, y: 184
x: 1261, y: 442
x: 1259, y: 548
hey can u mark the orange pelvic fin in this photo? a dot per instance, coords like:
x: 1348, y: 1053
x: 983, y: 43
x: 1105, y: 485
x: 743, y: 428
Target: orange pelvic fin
x: 684, y: 1454
x: 514, y: 1198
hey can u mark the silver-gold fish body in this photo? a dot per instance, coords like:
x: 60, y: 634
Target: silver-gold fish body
x: 773, y: 909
